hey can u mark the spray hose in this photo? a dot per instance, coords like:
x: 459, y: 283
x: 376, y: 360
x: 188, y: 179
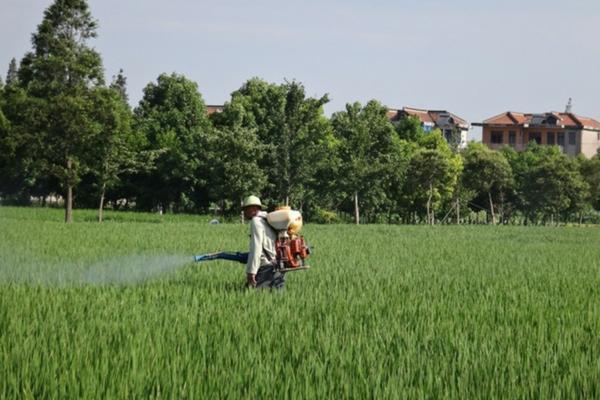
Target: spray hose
x: 223, y: 255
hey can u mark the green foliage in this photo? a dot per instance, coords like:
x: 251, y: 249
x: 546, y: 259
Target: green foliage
x: 325, y: 217
x: 294, y: 130
x: 371, y: 156
x: 172, y: 118
x: 548, y: 183
x: 118, y: 149
x: 488, y: 174
x: 63, y: 132
x: 20, y: 170
x: 58, y: 76
x: 235, y: 172
x: 512, y: 314
x: 119, y: 83
x: 12, y: 75
x: 409, y: 129
x: 61, y: 61
x: 431, y: 180
x: 590, y: 171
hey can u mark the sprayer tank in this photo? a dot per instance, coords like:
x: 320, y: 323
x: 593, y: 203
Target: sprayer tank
x: 285, y: 219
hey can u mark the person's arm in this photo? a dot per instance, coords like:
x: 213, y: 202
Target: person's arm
x: 256, y: 240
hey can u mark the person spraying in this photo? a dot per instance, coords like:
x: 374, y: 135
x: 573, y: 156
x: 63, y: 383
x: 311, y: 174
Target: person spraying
x: 260, y: 267
x: 275, y: 246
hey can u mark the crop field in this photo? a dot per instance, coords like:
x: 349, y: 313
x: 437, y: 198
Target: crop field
x: 118, y: 310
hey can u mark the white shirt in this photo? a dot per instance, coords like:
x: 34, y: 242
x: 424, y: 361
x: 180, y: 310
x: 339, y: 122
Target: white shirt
x: 262, y: 243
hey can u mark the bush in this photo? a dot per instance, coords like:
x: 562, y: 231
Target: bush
x: 322, y: 216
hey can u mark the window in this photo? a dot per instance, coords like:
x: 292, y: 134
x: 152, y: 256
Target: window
x: 550, y: 138
x: 448, y: 135
x: 560, y: 139
x: 537, y: 136
x: 572, y: 138
x: 512, y: 138
x: 497, y: 137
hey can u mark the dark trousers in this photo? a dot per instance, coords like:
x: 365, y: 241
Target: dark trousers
x: 268, y: 277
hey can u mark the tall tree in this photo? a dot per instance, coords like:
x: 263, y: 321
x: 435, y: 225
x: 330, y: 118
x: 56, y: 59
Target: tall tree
x: 488, y: 174
x: 12, y: 75
x: 118, y: 147
x: 234, y: 165
x: 59, y: 75
x: 549, y: 184
x: 21, y: 172
x: 369, y: 151
x: 291, y: 125
x: 590, y: 170
x: 429, y: 180
x: 432, y: 177
x: 172, y: 118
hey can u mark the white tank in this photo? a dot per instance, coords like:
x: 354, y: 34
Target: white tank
x: 285, y: 218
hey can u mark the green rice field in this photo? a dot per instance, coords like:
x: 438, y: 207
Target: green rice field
x: 118, y: 310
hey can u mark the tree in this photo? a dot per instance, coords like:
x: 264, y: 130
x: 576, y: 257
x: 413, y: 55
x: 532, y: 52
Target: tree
x: 409, y: 129
x: 488, y: 174
x: 432, y: 177
x: 293, y: 128
x: 118, y: 147
x: 549, y: 184
x: 369, y: 152
x: 59, y: 75
x: 172, y: 118
x: 12, y: 76
x: 590, y: 170
x: 429, y: 178
x: 21, y: 172
x: 119, y: 83
x: 234, y: 167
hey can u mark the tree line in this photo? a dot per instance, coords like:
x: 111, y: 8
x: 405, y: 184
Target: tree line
x: 65, y: 131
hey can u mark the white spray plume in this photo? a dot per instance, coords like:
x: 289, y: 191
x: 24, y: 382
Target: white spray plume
x: 126, y: 270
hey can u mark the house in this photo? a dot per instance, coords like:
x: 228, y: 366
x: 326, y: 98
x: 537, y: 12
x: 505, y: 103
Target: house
x: 211, y: 109
x: 572, y: 133
x: 449, y: 124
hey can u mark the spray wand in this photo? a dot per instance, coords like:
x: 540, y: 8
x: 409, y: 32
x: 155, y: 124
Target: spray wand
x: 223, y: 255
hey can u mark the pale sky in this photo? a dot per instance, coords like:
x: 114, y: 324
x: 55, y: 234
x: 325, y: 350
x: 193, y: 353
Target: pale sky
x: 474, y: 58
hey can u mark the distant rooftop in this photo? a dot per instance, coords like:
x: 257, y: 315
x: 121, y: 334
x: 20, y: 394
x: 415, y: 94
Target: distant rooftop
x: 429, y: 117
x: 551, y: 118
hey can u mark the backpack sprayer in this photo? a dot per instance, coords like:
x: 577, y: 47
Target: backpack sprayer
x: 291, y: 250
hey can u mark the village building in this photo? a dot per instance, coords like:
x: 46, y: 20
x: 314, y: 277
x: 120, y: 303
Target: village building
x: 453, y: 128
x: 211, y: 109
x: 573, y: 134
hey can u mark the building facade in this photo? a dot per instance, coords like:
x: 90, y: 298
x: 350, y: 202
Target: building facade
x: 211, y: 109
x: 573, y: 134
x: 453, y: 128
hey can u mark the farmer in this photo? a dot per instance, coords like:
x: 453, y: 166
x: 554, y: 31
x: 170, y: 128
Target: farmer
x: 260, y: 270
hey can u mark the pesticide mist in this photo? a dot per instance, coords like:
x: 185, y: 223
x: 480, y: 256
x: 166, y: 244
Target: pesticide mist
x: 126, y: 270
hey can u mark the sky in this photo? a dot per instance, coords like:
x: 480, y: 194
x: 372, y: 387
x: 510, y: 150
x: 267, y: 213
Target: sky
x: 474, y: 58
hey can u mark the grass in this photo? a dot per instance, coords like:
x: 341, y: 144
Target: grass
x: 385, y: 312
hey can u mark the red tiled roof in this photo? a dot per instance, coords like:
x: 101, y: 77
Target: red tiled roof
x: 588, y: 122
x: 393, y: 114
x: 566, y: 119
x: 425, y: 116
x: 435, y: 114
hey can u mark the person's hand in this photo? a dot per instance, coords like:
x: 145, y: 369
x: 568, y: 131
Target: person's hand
x: 251, y: 280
